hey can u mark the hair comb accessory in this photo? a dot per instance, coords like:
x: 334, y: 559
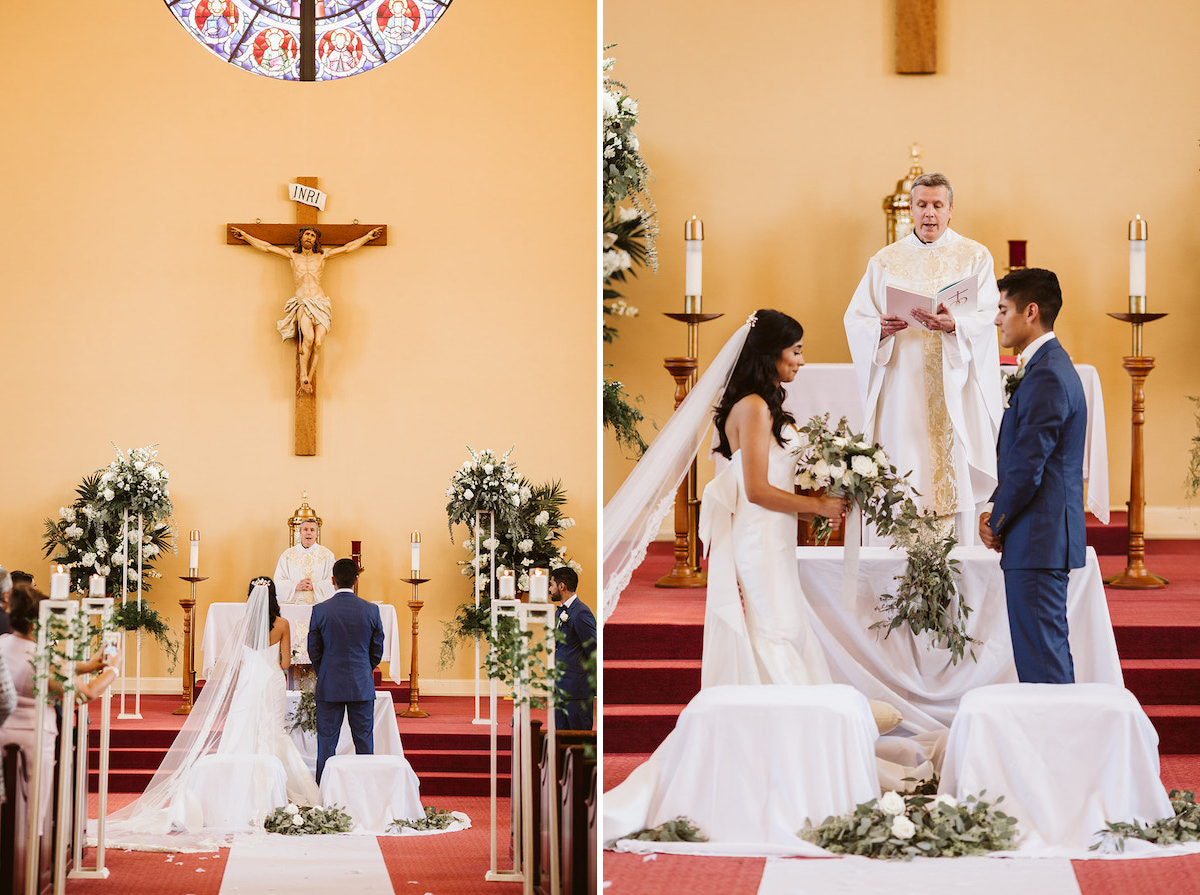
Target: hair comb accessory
x: 752, y: 319
x: 265, y: 582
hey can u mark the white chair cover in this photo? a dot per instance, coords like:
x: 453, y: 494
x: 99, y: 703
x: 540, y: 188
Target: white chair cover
x: 373, y: 789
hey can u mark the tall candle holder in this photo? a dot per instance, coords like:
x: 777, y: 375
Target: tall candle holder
x: 414, y: 680
x: 1136, y: 576
x: 189, y: 644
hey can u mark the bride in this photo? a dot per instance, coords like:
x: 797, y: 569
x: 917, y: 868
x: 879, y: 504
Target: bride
x: 240, y: 711
x: 748, y: 520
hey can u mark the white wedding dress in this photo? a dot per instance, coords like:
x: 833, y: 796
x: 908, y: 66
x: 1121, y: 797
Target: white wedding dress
x: 756, y: 628
x: 240, y: 712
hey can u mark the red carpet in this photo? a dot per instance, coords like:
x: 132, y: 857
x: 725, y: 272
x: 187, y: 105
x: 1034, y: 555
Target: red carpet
x: 652, y: 647
x: 450, y: 864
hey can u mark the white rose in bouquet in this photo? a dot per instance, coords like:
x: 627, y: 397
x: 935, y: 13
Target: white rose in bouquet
x: 892, y: 803
x: 864, y: 466
x: 820, y: 471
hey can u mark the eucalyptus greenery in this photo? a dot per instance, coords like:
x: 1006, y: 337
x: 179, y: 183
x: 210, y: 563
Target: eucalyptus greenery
x: 681, y: 829
x: 515, y: 656
x: 131, y: 616
x: 844, y: 463
x: 914, y: 825
x: 304, y: 717
x: 434, y: 819
x: 1192, y: 484
x: 294, y: 820
x: 1183, y: 826
x: 622, y: 417
x: 60, y: 633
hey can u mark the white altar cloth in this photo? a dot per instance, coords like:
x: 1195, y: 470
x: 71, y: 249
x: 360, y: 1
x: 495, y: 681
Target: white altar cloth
x: 1067, y: 758
x: 221, y: 617
x: 832, y: 389
x: 373, y: 789
x: 386, y: 733
x: 751, y: 764
x: 906, y: 671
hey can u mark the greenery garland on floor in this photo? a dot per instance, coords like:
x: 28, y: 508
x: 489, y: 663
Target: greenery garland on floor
x: 434, y: 819
x: 844, y: 463
x: 1183, y: 826
x: 681, y: 829
x: 294, y: 820
x: 903, y: 826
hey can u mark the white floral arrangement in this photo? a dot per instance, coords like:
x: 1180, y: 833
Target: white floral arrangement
x: 845, y: 464
x: 87, y: 536
x: 904, y: 826
x: 486, y: 482
x: 296, y: 820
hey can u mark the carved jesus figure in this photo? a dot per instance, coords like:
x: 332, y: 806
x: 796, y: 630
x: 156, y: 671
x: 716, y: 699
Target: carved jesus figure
x: 307, y: 315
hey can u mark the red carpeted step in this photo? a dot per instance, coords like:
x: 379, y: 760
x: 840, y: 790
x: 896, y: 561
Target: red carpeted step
x: 1157, y: 641
x: 651, y: 680
x: 638, y: 728
x: 441, y: 784
x: 465, y: 761
x: 661, y: 640
x: 1178, y: 727
x: 1111, y: 538
x: 1162, y: 681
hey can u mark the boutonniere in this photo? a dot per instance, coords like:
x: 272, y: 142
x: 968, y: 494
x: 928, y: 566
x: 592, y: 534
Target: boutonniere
x: 563, y: 616
x: 1010, y: 384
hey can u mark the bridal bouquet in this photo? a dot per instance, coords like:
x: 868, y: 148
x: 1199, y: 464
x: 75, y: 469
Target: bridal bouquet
x: 845, y: 464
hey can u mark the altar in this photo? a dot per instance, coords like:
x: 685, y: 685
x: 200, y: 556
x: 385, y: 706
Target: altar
x: 912, y: 675
x: 220, y: 619
x: 832, y: 389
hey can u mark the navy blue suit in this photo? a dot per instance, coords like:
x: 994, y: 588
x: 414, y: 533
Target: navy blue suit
x: 573, y: 699
x: 345, y: 643
x: 1038, y: 511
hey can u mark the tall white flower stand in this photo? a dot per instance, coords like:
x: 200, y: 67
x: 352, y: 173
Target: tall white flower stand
x: 101, y: 608
x: 137, y: 675
x: 539, y: 618
x: 68, y: 612
x: 479, y: 514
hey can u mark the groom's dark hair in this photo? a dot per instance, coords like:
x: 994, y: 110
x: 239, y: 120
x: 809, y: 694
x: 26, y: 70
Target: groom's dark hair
x: 345, y: 573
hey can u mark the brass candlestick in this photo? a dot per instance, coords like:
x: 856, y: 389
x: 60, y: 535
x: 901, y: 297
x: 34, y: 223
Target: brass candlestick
x: 189, y: 646
x: 414, y: 685
x: 686, y: 572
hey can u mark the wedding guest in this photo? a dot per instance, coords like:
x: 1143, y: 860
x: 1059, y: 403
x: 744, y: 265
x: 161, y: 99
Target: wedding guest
x: 573, y: 702
x: 6, y: 586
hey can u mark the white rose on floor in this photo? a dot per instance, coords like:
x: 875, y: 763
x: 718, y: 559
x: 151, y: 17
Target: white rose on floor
x: 298, y: 821
x: 892, y: 803
x: 946, y: 799
x: 903, y: 828
x: 864, y: 466
x: 292, y: 809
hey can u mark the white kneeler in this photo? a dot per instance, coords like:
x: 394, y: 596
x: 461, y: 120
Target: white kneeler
x: 373, y: 789
x: 1066, y: 757
x: 749, y: 764
x: 230, y: 792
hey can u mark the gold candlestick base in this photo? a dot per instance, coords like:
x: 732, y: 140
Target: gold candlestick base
x: 414, y: 684
x: 189, y: 652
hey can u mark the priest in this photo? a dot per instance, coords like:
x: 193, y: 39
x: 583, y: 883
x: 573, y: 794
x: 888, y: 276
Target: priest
x: 304, y: 573
x: 931, y: 393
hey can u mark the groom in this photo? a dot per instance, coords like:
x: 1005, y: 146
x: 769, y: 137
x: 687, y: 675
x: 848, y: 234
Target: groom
x: 345, y: 643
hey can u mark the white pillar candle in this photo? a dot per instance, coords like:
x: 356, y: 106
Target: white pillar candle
x: 416, y: 554
x: 508, y: 584
x: 1137, y: 256
x: 96, y: 586
x: 693, y: 234
x: 194, y: 554
x: 60, y: 583
x: 539, y: 586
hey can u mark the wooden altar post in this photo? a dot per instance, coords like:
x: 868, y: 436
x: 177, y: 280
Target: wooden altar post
x: 286, y: 235
x: 414, y: 679
x: 188, y: 671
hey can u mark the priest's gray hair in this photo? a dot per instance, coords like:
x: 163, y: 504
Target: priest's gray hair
x: 933, y: 180
x: 5, y: 582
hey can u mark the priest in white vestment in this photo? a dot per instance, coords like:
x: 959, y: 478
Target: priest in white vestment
x: 932, y: 397
x: 304, y: 573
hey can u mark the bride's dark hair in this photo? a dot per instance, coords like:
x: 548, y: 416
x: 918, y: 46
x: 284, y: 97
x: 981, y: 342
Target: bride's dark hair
x: 272, y: 601
x: 756, y: 373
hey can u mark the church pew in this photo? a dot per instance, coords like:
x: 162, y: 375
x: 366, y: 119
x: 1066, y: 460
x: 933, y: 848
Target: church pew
x: 545, y: 790
x: 575, y: 781
x: 8, y: 818
x: 592, y: 838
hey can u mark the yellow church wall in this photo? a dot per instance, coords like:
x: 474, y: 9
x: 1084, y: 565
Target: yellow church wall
x: 784, y: 125
x: 127, y: 149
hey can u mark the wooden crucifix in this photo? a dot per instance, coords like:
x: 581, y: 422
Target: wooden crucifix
x: 916, y: 37
x: 307, y: 315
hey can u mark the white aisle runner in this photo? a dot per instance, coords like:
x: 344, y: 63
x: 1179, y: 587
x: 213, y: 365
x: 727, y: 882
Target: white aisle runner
x: 864, y: 876
x: 298, y: 865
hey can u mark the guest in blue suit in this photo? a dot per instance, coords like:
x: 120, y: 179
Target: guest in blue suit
x: 577, y: 640
x: 1036, y: 518
x: 345, y: 643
